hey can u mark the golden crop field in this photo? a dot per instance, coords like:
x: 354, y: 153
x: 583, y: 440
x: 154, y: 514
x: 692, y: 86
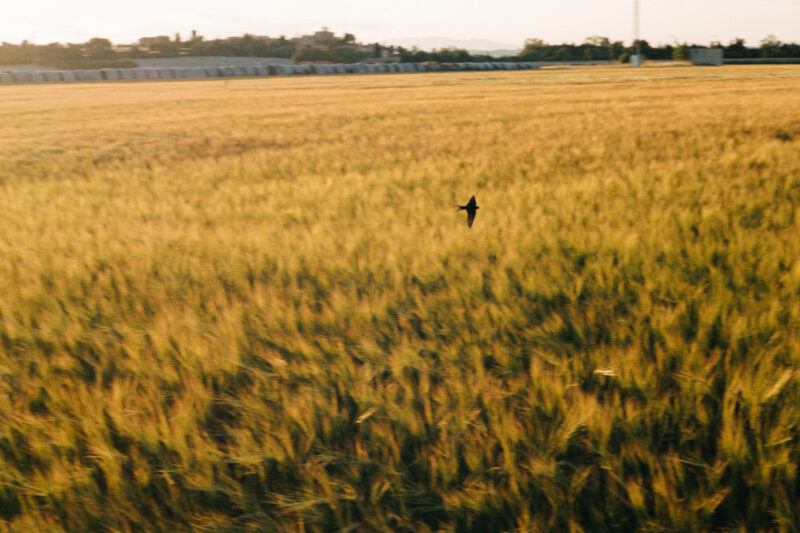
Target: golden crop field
x: 251, y: 305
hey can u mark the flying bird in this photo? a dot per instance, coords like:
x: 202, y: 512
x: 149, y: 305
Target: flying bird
x: 471, y: 208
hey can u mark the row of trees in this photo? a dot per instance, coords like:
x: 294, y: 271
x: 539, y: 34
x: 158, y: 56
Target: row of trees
x: 770, y: 47
x: 344, y: 50
x: 347, y: 50
x: 598, y: 48
x: 601, y: 48
x: 445, y: 55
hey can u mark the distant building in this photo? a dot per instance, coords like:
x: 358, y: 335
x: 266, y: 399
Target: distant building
x: 147, y: 41
x: 706, y: 56
x: 318, y: 38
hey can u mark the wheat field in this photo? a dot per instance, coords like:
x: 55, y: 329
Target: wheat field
x: 251, y: 305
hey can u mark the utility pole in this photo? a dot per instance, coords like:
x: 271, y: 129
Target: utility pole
x: 636, y: 59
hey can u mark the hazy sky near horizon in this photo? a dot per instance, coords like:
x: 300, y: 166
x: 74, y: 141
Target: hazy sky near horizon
x: 504, y: 21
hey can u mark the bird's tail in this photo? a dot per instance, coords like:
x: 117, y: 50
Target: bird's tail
x: 460, y: 207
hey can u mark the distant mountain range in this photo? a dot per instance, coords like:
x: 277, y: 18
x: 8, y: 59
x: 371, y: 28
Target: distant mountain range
x: 474, y: 46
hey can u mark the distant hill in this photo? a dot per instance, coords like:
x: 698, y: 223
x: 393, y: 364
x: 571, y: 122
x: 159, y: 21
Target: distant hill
x: 474, y: 46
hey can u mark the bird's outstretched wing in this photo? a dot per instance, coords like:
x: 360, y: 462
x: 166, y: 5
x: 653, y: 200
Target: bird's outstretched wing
x: 472, y: 202
x: 470, y: 217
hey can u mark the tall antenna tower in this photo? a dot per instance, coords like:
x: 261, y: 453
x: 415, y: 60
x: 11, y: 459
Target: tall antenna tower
x: 636, y: 60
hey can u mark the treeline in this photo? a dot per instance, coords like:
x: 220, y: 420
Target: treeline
x: 594, y: 48
x: 445, y: 55
x: 598, y: 48
x: 95, y: 52
x: 770, y: 47
x: 100, y: 52
x: 601, y: 48
x: 246, y: 45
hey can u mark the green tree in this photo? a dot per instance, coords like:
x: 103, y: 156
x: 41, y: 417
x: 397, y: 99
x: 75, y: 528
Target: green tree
x: 737, y: 49
x: 310, y: 53
x: 770, y: 46
x: 97, y: 48
x: 281, y: 47
x: 534, y: 50
x: 680, y: 52
x: 616, y: 49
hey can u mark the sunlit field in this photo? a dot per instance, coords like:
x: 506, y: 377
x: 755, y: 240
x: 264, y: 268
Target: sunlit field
x: 251, y: 305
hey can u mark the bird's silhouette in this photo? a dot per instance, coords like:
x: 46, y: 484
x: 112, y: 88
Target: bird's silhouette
x: 471, y: 208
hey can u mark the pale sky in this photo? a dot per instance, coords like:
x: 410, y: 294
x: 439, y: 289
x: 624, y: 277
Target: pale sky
x: 505, y: 21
